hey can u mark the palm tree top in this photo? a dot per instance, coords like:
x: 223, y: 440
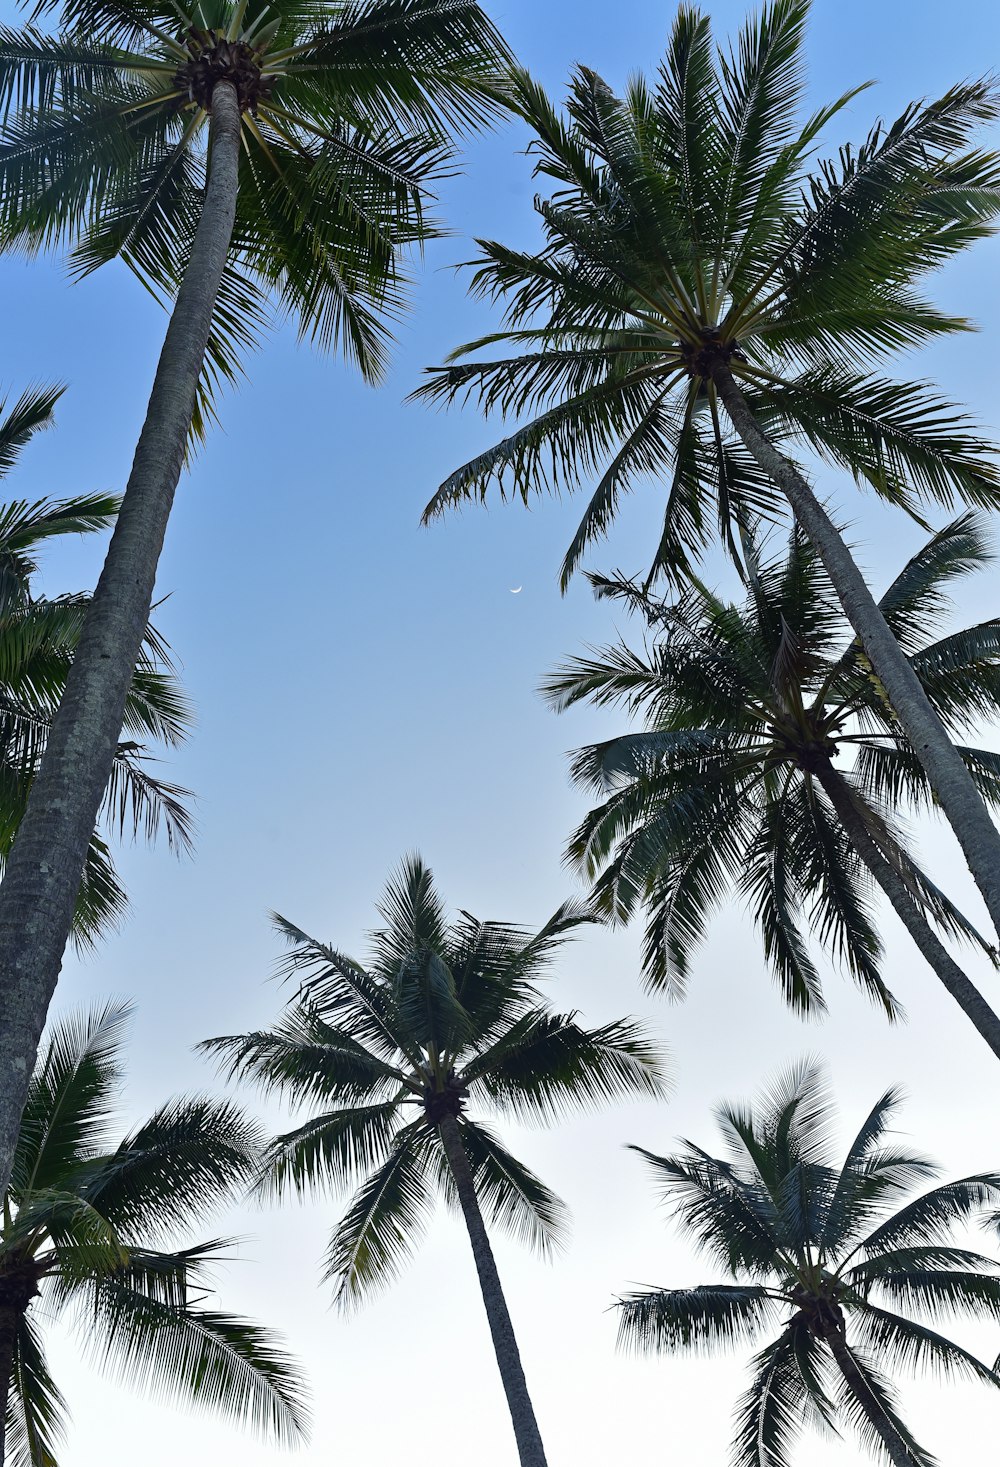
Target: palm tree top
x: 100, y: 1226
x: 444, y: 1022
x: 841, y: 1258
x: 691, y: 235
x: 743, y: 706
x: 347, y: 111
x: 449, y: 1005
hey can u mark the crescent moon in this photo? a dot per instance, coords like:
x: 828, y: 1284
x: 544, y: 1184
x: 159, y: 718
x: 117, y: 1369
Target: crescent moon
x: 516, y: 590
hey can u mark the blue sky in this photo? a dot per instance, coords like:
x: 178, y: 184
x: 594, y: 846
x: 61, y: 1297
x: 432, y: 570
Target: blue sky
x: 365, y: 687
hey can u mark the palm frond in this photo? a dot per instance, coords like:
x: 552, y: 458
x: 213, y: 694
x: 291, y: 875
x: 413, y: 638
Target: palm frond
x: 187, y: 1158
x: 511, y: 1196
x: 384, y: 1222
x: 32, y: 411
x: 769, y: 1415
x: 331, y: 1150
x: 200, y: 1356
x: 547, y: 1063
x: 869, y: 1403
x: 36, y: 1409
x: 916, y: 1346
x: 72, y: 1097
x: 703, y: 1318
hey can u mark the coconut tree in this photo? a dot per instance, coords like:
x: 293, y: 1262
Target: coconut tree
x: 837, y: 1260
x: 38, y: 639
x: 708, y: 301
x: 446, y: 1020
x: 95, y: 1231
x: 232, y: 152
x: 772, y: 763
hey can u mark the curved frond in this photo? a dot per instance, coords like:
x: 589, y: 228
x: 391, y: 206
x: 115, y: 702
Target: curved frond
x: 331, y: 1150
x: 199, y: 1356
x: 384, y: 1222
x: 511, y: 1196
x: 72, y: 1097
x: 704, y: 1318
x: 547, y: 1063
x: 190, y: 1156
x: 36, y: 1409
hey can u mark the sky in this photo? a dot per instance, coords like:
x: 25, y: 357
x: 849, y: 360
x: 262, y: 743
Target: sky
x: 365, y: 687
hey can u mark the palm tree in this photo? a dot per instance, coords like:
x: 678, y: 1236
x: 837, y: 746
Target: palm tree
x: 835, y: 1259
x: 322, y: 125
x: 738, y: 779
x: 38, y: 640
x: 703, y: 305
x: 92, y: 1230
x: 445, y: 1016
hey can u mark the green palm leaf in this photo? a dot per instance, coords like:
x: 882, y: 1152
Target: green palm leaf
x: 706, y: 1317
x: 331, y: 1149
x: 384, y: 1221
x: 174, y: 1167
x: 36, y: 1410
x: 71, y: 1099
x: 511, y: 1196
x: 769, y: 1417
x: 225, y: 1362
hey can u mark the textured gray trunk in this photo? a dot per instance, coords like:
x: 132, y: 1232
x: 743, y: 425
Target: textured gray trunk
x: 530, y: 1451
x: 43, y: 871
x: 949, y: 778
x: 962, y: 990
x: 899, y: 1453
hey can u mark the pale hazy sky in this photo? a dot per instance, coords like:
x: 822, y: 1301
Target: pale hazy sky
x: 364, y: 688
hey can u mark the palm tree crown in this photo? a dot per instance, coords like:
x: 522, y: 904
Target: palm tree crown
x: 93, y: 1229
x: 750, y: 711
x: 445, y: 1019
x: 345, y: 110
x: 833, y: 1257
x: 690, y: 243
x: 38, y: 638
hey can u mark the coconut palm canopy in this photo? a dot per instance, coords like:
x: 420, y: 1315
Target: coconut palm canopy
x: 691, y: 241
x: 840, y: 1262
x: 102, y: 1233
x: 750, y: 710
x: 446, y: 1019
x: 38, y: 637
x: 346, y: 113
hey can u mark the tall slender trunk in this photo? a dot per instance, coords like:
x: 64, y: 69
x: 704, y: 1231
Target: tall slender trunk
x: 43, y: 870
x: 888, y: 877
x: 949, y: 778
x: 530, y: 1451
x: 899, y: 1453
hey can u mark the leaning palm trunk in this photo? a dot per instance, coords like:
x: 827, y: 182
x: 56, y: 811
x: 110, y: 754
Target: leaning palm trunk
x: 949, y: 778
x: 896, y: 1449
x: 530, y: 1451
x: 45, y: 865
x: 888, y: 877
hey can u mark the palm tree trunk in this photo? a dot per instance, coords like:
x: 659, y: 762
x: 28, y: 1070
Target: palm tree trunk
x: 899, y: 1453
x: 43, y: 870
x: 949, y: 778
x: 888, y: 877
x: 530, y: 1451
